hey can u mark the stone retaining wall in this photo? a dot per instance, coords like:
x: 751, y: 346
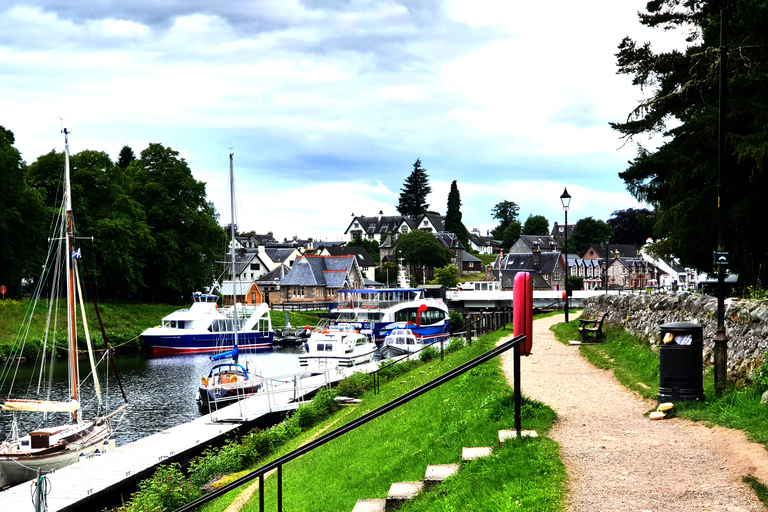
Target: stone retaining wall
x: 746, y: 321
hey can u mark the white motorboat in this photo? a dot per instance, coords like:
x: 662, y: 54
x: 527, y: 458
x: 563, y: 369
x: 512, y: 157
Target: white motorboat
x: 338, y: 347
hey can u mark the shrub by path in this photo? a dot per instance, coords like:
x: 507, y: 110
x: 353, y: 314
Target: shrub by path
x: 618, y: 459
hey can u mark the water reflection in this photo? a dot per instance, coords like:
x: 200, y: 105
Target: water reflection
x: 161, y: 390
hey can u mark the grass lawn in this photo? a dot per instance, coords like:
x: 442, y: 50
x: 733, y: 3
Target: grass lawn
x: 431, y: 429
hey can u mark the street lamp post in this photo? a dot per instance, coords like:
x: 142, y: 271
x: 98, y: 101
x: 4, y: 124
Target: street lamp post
x: 565, y: 198
x: 607, y: 241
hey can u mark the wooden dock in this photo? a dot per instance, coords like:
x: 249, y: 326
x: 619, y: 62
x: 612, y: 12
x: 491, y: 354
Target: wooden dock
x: 92, y: 482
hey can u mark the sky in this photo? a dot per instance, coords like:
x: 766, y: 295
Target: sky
x: 327, y: 104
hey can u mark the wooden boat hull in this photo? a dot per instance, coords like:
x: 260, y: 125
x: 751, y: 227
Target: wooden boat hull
x: 20, y: 463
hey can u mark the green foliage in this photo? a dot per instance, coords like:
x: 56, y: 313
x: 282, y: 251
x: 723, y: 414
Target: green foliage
x: 631, y: 226
x: 370, y: 246
x: 536, y: 225
x: 168, y: 489
x: 680, y: 179
x: 22, y: 220
x: 453, y: 216
x: 355, y: 385
x: 414, y: 193
x: 448, y: 276
x: 428, y: 353
x: 505, y: 212
x: 455, y: 321
x: 576, y: 282
x: 455, y: 344
x: 387, y: 273
x: 588, y: 231
x: 760, y: 376
x: 511, y: 234
x: 422, y: 248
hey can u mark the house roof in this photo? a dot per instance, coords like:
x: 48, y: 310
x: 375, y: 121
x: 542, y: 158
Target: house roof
x: 627, y: 251
x: 557, y: 230
x: 449, y: 240
x: 545, y: 242
x: 524, y: 261
x: 274, y: 276
x: 508, y: 278
x: 328, y: 271
x: 363, y: 258
x: 279, y: 254
x: 226, y: 287
x: 469, y: 257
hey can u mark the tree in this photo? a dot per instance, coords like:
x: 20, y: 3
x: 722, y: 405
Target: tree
x: 630, y: 226
x: 680, y: 179
x: 184, y: 225
x: 453, y: 222
x: 370, y: 246
x: 420, y: 248
x: 586, y: 232
x: 511, y: 234
x: 448, y: 276
x: 22, y: 220
x: 413, y: 195
x: 125, y: 157
x: 105, y: 209
x: 536, y: 225
x: 387, y: 273
x: 505, y: 212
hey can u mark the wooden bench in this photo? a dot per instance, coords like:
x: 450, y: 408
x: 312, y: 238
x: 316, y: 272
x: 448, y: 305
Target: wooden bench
x: 592, y: 330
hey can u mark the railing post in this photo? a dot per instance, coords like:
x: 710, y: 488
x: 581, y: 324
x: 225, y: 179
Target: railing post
x: 261, y: 492
x: 280, y: 488
x: 441, y: 349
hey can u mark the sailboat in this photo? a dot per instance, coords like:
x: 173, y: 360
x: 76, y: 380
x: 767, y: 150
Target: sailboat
x: 54, y: 445
x: 229, y: 381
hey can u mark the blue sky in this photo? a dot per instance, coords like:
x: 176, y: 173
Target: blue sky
x: 328, y: 103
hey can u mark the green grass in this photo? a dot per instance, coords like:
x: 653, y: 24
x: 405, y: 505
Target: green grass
x: 431, y: 429
x: 123, y: 322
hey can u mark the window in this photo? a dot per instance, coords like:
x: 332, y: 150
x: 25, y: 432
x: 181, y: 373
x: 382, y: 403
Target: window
x: 255, y: 266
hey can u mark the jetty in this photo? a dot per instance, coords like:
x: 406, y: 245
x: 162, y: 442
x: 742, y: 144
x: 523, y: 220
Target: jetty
x: 101, y: 480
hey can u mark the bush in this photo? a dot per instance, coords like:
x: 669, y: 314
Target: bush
x: 428, y: 353
x: 760, y: 377
x: 455, y: 322
x: 355, y: 385
x: 168, y: 489
x: 455, y: 344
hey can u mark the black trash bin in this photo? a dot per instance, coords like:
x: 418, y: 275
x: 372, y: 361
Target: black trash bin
x: 681, y: 351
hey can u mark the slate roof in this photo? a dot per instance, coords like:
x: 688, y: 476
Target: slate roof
x: 467, y: 257
x: 274, y: 276
x: 363, y: 258
x: 381, y: 224
x: 524, y: 261
x: 279, y: 255
x: 225, y: 290
x: 508, y: 279
x: 545, y: 242
x: 449, y: 240
x: 328, y: 271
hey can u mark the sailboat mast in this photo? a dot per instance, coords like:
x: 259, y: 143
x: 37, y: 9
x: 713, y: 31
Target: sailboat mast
x: 232, y: 236
x: 71, y: 307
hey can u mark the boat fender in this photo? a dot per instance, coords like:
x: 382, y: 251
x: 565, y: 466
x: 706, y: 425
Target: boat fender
x: 205, y: 381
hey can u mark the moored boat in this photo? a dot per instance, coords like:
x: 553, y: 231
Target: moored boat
x: 204, y: 327
x: 338, y: 347
x: 58, y: 441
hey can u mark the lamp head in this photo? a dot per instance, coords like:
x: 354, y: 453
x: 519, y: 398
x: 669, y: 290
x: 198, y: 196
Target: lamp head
x: 565, y: 198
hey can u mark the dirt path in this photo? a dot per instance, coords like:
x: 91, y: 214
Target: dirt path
x: 618, y: 460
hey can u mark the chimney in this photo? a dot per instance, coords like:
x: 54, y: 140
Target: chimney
x: 536, y: 257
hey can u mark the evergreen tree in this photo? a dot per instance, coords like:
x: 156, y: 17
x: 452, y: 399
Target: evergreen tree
x: 453, y: 222
x: 680, y: 178
x: 586, y: 232
x: 125, y: 158
x: 413, y: 195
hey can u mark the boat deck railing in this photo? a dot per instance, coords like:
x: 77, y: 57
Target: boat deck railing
x: 278, y: 463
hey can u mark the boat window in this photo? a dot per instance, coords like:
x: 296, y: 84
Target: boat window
x: 400, y: 341
x: 360, y: 341
x: 181, y: 325
x: 320, y: 347
x: 173, y: 324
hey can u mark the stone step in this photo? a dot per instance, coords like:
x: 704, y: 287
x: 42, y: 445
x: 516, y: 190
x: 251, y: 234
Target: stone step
x: 473, y: 453
x: 505, y: 435
x: 399, y: 492
x: 370, y: 506
x: 436, y: 473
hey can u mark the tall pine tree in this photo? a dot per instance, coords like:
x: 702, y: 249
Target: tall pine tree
x: 453, y: 222
x: 413, y: 195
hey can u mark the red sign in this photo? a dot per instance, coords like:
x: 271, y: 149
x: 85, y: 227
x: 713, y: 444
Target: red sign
x: 2, y: 289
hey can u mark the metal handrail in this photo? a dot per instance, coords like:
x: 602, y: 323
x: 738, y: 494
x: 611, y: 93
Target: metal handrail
x: 362, y: 420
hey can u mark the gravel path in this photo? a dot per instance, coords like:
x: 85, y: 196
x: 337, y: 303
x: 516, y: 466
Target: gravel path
x: 618, y: 460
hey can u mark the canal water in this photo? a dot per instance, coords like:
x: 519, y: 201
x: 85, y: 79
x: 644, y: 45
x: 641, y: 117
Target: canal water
x: 161, y: 390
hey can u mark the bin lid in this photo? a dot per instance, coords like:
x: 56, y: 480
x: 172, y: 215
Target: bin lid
x: 681, y: 326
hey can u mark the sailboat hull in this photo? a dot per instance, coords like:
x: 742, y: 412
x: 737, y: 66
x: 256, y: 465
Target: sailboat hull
x: 19, y: 461
x: 174, y: 343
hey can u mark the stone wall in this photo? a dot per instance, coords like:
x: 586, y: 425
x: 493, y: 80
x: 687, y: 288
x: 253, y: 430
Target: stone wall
x: 746, y: 321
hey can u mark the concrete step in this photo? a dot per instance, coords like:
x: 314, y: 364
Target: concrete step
x: 505, y: 435
x: 370, y: 506
x: 399, y: 492
x: 468, y: 454
x: 436, y: 473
